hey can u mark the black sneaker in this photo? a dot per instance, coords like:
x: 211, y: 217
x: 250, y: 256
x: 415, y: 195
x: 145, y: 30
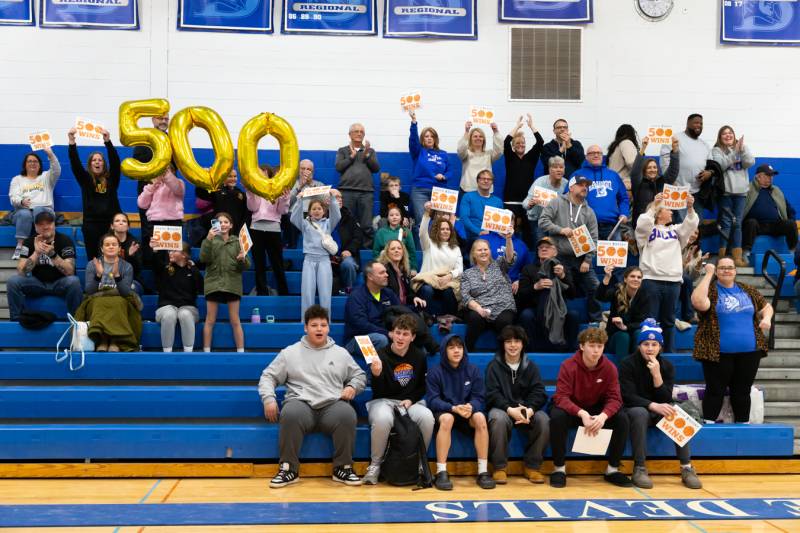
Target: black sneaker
x: 558, y: 480
x: 485, y: 481
x: 345, y: 474
x: 619, y: 479
x: 442, y: 481
x: 284, y: 477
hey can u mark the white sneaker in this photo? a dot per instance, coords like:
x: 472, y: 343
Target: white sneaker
x: 371, y: 477
x: 680, y: 325
x: 17, y: 252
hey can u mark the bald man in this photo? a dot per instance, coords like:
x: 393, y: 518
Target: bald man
x: 607, y: 196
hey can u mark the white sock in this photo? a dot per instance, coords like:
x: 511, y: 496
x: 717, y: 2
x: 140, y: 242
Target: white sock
x: 188, y: 348
x: 483, y: 466
x: 611, y: 469
x: 562, y: 469
x: 441, y: 467
x: 709, y: 422
x: 687, y: 466
x: 167, y: 350
x: 239, y: 350
x: 206, y: 348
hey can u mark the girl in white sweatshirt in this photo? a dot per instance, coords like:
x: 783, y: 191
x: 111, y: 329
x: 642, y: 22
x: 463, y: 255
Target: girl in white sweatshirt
x: 442, y: 262
x: 661, y: 260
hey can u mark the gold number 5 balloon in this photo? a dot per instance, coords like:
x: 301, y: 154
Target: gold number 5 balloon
x: 208, y: 119
x: 132, y: 135
x: 256, y: 128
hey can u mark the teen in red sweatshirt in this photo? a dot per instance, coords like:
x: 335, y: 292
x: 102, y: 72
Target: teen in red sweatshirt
x: 588, y: 395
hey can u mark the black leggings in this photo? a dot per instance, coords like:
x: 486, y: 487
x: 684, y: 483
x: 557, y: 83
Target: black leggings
x: 734, y: 371
x: 476, y: 324
x: 92, y: 232
x: 269, y: 243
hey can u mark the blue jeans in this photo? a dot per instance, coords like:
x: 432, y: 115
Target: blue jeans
x: 661, y: 297
x: 348, y: 272
x: 23, y: 220
x: 418, y: 198
x: 731, y: 212
x: 68, y: 287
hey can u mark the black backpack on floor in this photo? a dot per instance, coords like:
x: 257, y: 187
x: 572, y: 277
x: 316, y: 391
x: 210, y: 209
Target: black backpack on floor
x: 406, y: 459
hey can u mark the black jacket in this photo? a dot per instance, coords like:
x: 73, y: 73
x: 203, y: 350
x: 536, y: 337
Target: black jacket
x: 350, y: 234
x: 231, y: 200
x: 100, y: 200
x: 394, y: 284
x: 637, y: 310
x: 573, y: 157
x: 508, y: 388
x: 636, y: 382
x: 527, y: 296
x: 402, y: 378
x: 644, y: 190
x: 520, y: 171
x: 177, y: 286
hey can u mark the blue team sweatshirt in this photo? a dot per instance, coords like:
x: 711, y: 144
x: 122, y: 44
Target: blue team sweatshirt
x: 607, y: 197
x: 448, y: 386
x: 427, y: 163
x: 470, y: 212
x: 497, y: 244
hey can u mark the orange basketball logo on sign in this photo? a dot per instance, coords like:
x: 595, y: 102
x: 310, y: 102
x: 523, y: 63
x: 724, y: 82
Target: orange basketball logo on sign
x: 622, y: 252
x: 495, y: 217
x: 451, y: 199
x: 176, y: 236
x: 38, y: 138
x: 506, y: 220
x: 675, y: 195
x: 611, y: 251
x: 679, y: 422
x: 489, y: 114
x: 684, y: 195
x: 166, y: 236
x: 582, y: 239
x: 659, y: 132
x: 688, y: 431
x: 586, y: 247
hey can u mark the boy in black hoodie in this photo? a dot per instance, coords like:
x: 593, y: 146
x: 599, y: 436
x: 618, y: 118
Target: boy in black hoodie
x: 515, y: 396
x: 398, y: 379
x: 456, y: 397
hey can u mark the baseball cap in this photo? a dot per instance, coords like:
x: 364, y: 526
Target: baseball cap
x: 44, y: 216
x: 766, y: 169
x: 574, y: 180
x: 545, y: 240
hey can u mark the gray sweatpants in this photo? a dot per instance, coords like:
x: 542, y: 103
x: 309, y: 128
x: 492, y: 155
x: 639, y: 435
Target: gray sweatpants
x: 536, y: 434
x: 381, y: 420
x: 640, y: 419
x: 317, y: 277
x: 298, y: 419
x: 169, y: 315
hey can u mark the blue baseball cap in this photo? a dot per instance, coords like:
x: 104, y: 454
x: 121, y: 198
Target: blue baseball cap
x: 574, y: 180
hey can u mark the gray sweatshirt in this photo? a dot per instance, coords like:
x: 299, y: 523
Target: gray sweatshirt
x: 312, y: 238
x: 737, y: 181
x: 315, y: 376
x: 356, y: 173
x: 561, y: 213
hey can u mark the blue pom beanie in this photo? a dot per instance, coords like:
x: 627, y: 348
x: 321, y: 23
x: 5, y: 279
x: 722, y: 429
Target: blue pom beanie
x: 650, y: 331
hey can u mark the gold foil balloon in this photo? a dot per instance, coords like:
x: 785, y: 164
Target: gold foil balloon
x: 130, y: 134
x: 208, y: 119
x: 252, y: 177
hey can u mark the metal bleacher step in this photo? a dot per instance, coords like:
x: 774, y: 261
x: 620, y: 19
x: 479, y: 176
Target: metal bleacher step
x: 778, y: 374
x: 787, y: 331
x: 781, y: 359
x: 780, y: 409
x: 779, y: 390
x: 788, y: 344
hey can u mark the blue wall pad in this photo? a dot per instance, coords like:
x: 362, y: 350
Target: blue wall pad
x: 202, y: 514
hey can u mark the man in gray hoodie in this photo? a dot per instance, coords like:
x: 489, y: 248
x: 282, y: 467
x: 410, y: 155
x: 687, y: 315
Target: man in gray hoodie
x: 558, y: 220
x: 321, y: 378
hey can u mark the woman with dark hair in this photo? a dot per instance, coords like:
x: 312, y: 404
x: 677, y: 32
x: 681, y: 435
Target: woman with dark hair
x: 431, y: 165
x: 442, y: 264
x: 730, y: 339
x: 129, y: 248
x: 647, y: 182
x: 628, y: 309
x: 734, y: 158
x: 99, y: 182
x: 622, y: 152
x: 30, y: 193
x: 179, y: 284
x: 111, y: 308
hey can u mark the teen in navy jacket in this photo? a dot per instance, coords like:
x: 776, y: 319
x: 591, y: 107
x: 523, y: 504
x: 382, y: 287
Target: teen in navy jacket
x: 456, y: 397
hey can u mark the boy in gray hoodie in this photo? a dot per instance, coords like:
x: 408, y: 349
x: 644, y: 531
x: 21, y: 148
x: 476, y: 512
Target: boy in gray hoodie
x: 321, y: 379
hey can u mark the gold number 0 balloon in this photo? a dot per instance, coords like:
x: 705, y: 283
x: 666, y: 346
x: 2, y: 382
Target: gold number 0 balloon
x: 130, y: 134
x: 208, y: 119
x: 256, y: 128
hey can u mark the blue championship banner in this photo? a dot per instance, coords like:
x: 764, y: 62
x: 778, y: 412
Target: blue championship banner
x: 760, y: 22
x: 330, y: 17
x: 97, y: 14
x: 16, y: 12
x: 548, y: 11
x: 438, y: 19
x: 241, y: 16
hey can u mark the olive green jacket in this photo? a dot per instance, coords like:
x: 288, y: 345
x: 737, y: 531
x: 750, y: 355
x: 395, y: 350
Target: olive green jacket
x: 223, y: 271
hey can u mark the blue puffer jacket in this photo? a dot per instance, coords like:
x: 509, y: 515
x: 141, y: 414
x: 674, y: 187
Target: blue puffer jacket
x: 448, y: 386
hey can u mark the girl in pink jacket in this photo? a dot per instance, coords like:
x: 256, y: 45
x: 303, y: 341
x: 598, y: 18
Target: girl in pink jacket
x: 265, y: 230
x: 163, y: 200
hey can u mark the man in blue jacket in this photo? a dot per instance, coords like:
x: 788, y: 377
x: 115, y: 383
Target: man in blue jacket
x: 365, y: 307
x: 456, y: 397
x: 607, y: 197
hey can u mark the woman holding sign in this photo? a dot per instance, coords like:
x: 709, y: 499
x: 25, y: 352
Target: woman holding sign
x: 486, y: 290
x: 431, y: 165
x: 734, y: 158
x: 646, y: 379
x: 162, y: 200
x: 730, y: 339
x: 474, y: 156
x: 661, y: 259
x: 99, y: 182
x: 225, y: 261
x: 647, y: 182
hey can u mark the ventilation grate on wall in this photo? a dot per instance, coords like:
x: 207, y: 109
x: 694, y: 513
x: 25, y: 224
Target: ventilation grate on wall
x: 545, y: 64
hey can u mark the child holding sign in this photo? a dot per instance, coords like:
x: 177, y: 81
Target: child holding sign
x: 646, y: 381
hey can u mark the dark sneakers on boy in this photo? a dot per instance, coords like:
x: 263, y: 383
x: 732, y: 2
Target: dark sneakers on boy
x: 485, y: 481
x: 558, y: 480
x: 442, y: 481
x: 619, y: 479
x: 344, y: 474
x: 284, y: 477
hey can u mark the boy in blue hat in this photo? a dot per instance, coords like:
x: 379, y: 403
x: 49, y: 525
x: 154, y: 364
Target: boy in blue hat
x: 646, y: 380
